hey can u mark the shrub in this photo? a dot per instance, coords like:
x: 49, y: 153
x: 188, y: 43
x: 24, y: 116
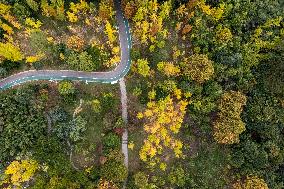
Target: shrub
x: 21, y: 122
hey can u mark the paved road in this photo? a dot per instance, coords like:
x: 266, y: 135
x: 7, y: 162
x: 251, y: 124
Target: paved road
x: 105, y: 77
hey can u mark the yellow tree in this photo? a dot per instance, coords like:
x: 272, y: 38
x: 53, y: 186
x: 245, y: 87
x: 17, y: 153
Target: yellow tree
x: 148, y: 17
x: 251, y: 182
x: 5, y: 13
x: 163, y: 120
x: 19, y: 172
x: 110, y: 32
x: 75, y: 9
x: 10, y: 52
x: 229, y: 125
x: 142, y: 67
x: 168, y: 68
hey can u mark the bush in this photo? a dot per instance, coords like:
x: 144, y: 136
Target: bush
x: 51, y: 152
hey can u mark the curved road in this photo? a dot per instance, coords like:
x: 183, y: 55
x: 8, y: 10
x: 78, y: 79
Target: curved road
x: 105, y: 77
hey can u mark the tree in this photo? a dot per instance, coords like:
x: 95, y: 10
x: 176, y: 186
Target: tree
x: 229, y: 125
x: 10, y: 52
x: 163, y: 121
x: 81, y: 61
x: 75, y: 42
x: 111, y: 141
x: 198, y: 67
x: 66, y: 88
x: 251, y: 182
x: 104, y: 184
x: 141, y: 180
x: 33, y: 5
x: 114, y: 169
x: 177, y: 176
x: 169, y: 69
x: 21, y: 122
x: 106, y: 11
x: 110, y: 32
x: 143, y: 67
x: 19, y: 172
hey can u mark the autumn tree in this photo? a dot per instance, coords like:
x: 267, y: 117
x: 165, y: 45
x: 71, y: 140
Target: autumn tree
x: 76, y: 9
x: 250, y: 182
x: 106, y: 11
x: 75, y: 42
x: 163, y: 120
x: 129, y: 9
x: 198, y: 67
x: 104, y: 184
x: 229, y: 125
x: 110, y: 32
x: 148, y: 19
x: 142, y: 67
x: 10, y: 52
x: 53, y: 8
x: 168, y: 68
x: 19, y: 172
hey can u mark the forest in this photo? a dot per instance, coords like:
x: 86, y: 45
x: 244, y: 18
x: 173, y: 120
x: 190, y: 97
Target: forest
x: 204, y: 95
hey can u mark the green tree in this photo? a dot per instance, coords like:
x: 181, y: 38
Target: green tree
x: 21, y: 122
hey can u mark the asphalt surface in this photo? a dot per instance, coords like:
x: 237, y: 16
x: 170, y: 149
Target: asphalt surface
x: 104, y: 77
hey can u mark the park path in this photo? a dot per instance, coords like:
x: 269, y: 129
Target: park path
x: 124, y: 147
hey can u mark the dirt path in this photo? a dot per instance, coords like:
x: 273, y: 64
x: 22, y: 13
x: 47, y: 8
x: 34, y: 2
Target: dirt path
x: 124, y: 146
